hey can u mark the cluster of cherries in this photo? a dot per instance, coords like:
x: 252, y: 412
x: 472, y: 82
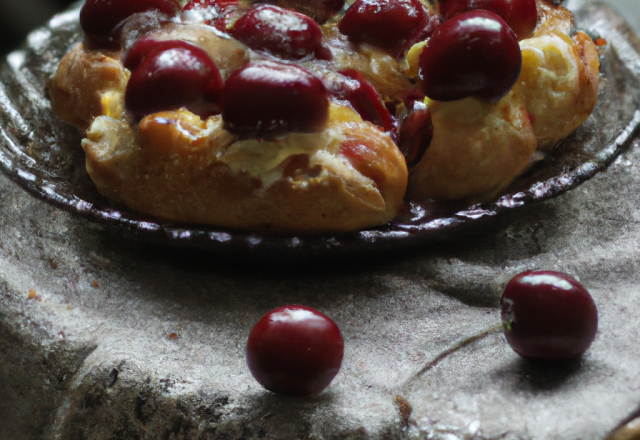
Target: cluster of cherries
x: 296, y: 350
x: 473, y: 51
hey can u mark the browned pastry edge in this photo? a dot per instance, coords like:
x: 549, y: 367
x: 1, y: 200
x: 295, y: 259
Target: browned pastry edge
x: 164, y: 172
x: 83, y: 77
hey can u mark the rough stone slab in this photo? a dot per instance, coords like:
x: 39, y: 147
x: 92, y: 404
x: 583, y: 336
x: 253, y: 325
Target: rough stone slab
x: 92, y: 356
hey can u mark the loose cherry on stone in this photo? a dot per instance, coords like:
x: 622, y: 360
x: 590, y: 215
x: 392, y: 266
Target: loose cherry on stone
x: 472, y: 54
x: 100, y: 19
x: 282, y: 32
x: 295, y: 350
x: 520, y: 15
x: 364, y: 99
x: 269, y: 99
x: 172, y: 74
x: 548, y: 315
x: 384, y: 23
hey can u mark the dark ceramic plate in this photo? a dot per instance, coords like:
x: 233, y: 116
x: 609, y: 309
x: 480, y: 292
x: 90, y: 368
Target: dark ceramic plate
x: 43, y: 154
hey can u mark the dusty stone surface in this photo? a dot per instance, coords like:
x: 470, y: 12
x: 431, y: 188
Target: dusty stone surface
x: 92, y: 355
x: 125, y: 340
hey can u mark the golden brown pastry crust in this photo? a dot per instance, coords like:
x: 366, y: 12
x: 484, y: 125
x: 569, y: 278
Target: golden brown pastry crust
x: 84, y: 77
x: 182, y: 168
x: 478, y: 148
x: 559, y: 82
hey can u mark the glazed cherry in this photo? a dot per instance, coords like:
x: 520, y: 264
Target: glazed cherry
x: 415, y: 133
x: 364, y: 99
x: 548, y: 315
x: 211, y: 12
x: 383, y: 23
x: 145, y: 47
x: 472, y: 54
x: 295, y: 350
x: 319, y: 10
x: 520, y: 15
x: 268, y: 99
x: 282, y: 32
x: 176, y: 74
x: 100, y: 18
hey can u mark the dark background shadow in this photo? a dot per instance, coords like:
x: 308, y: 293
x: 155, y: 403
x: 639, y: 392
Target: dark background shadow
x: 18, y: 18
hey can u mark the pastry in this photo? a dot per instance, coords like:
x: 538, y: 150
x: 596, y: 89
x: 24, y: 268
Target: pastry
x: 306, y: 120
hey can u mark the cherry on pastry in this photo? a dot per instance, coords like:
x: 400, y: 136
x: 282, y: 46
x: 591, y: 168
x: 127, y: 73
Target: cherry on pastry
x: 295, y: 350
x: 211, y: 12
x: 99, y: 19
x: 282, y: 32
x: 418, y: 35
x: 415, y: 133
x: 364, y: 99
x: 144, y: 47
x: 520, y: 15
x: 548, y: 315
x: 384, y: 23
x: 268, y: 99
x: 171, y: 75
x: 318, y: 10
x: 472, y: 54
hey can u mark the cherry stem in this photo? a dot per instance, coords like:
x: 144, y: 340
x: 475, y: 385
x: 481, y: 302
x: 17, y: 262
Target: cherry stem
x: 453, y: 349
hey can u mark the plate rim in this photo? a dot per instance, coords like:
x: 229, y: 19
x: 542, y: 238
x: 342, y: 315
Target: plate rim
x: 229, y: 241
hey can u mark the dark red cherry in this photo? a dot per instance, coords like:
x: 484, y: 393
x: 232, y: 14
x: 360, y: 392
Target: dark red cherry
x: 415, y: 133
x: 211, y: 12
x: 419, y: 35
x: 100, y: 18
x: 181, y: 75
x: 364, y: 99
x: 145, y: 47
x: 218, y: 6
x: 383, y: 23
x: 282, y: 32
x: 472, y: 54
x: 295, y: 350
x: 319, y: 10
x: 520, y: 15
x: 548, y: 315
x: 267, y: 99
x: 137, y: 26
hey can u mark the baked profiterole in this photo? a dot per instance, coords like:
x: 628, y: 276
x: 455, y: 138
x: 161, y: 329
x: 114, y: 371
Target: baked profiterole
x: 292, y: 116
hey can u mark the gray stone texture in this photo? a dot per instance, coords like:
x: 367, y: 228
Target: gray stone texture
x: 126, y: 340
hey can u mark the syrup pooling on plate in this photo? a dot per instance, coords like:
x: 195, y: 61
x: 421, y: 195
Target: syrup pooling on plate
x: 267, y: 76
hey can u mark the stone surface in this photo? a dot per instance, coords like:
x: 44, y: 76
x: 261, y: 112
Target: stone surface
x: 126, y: 340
